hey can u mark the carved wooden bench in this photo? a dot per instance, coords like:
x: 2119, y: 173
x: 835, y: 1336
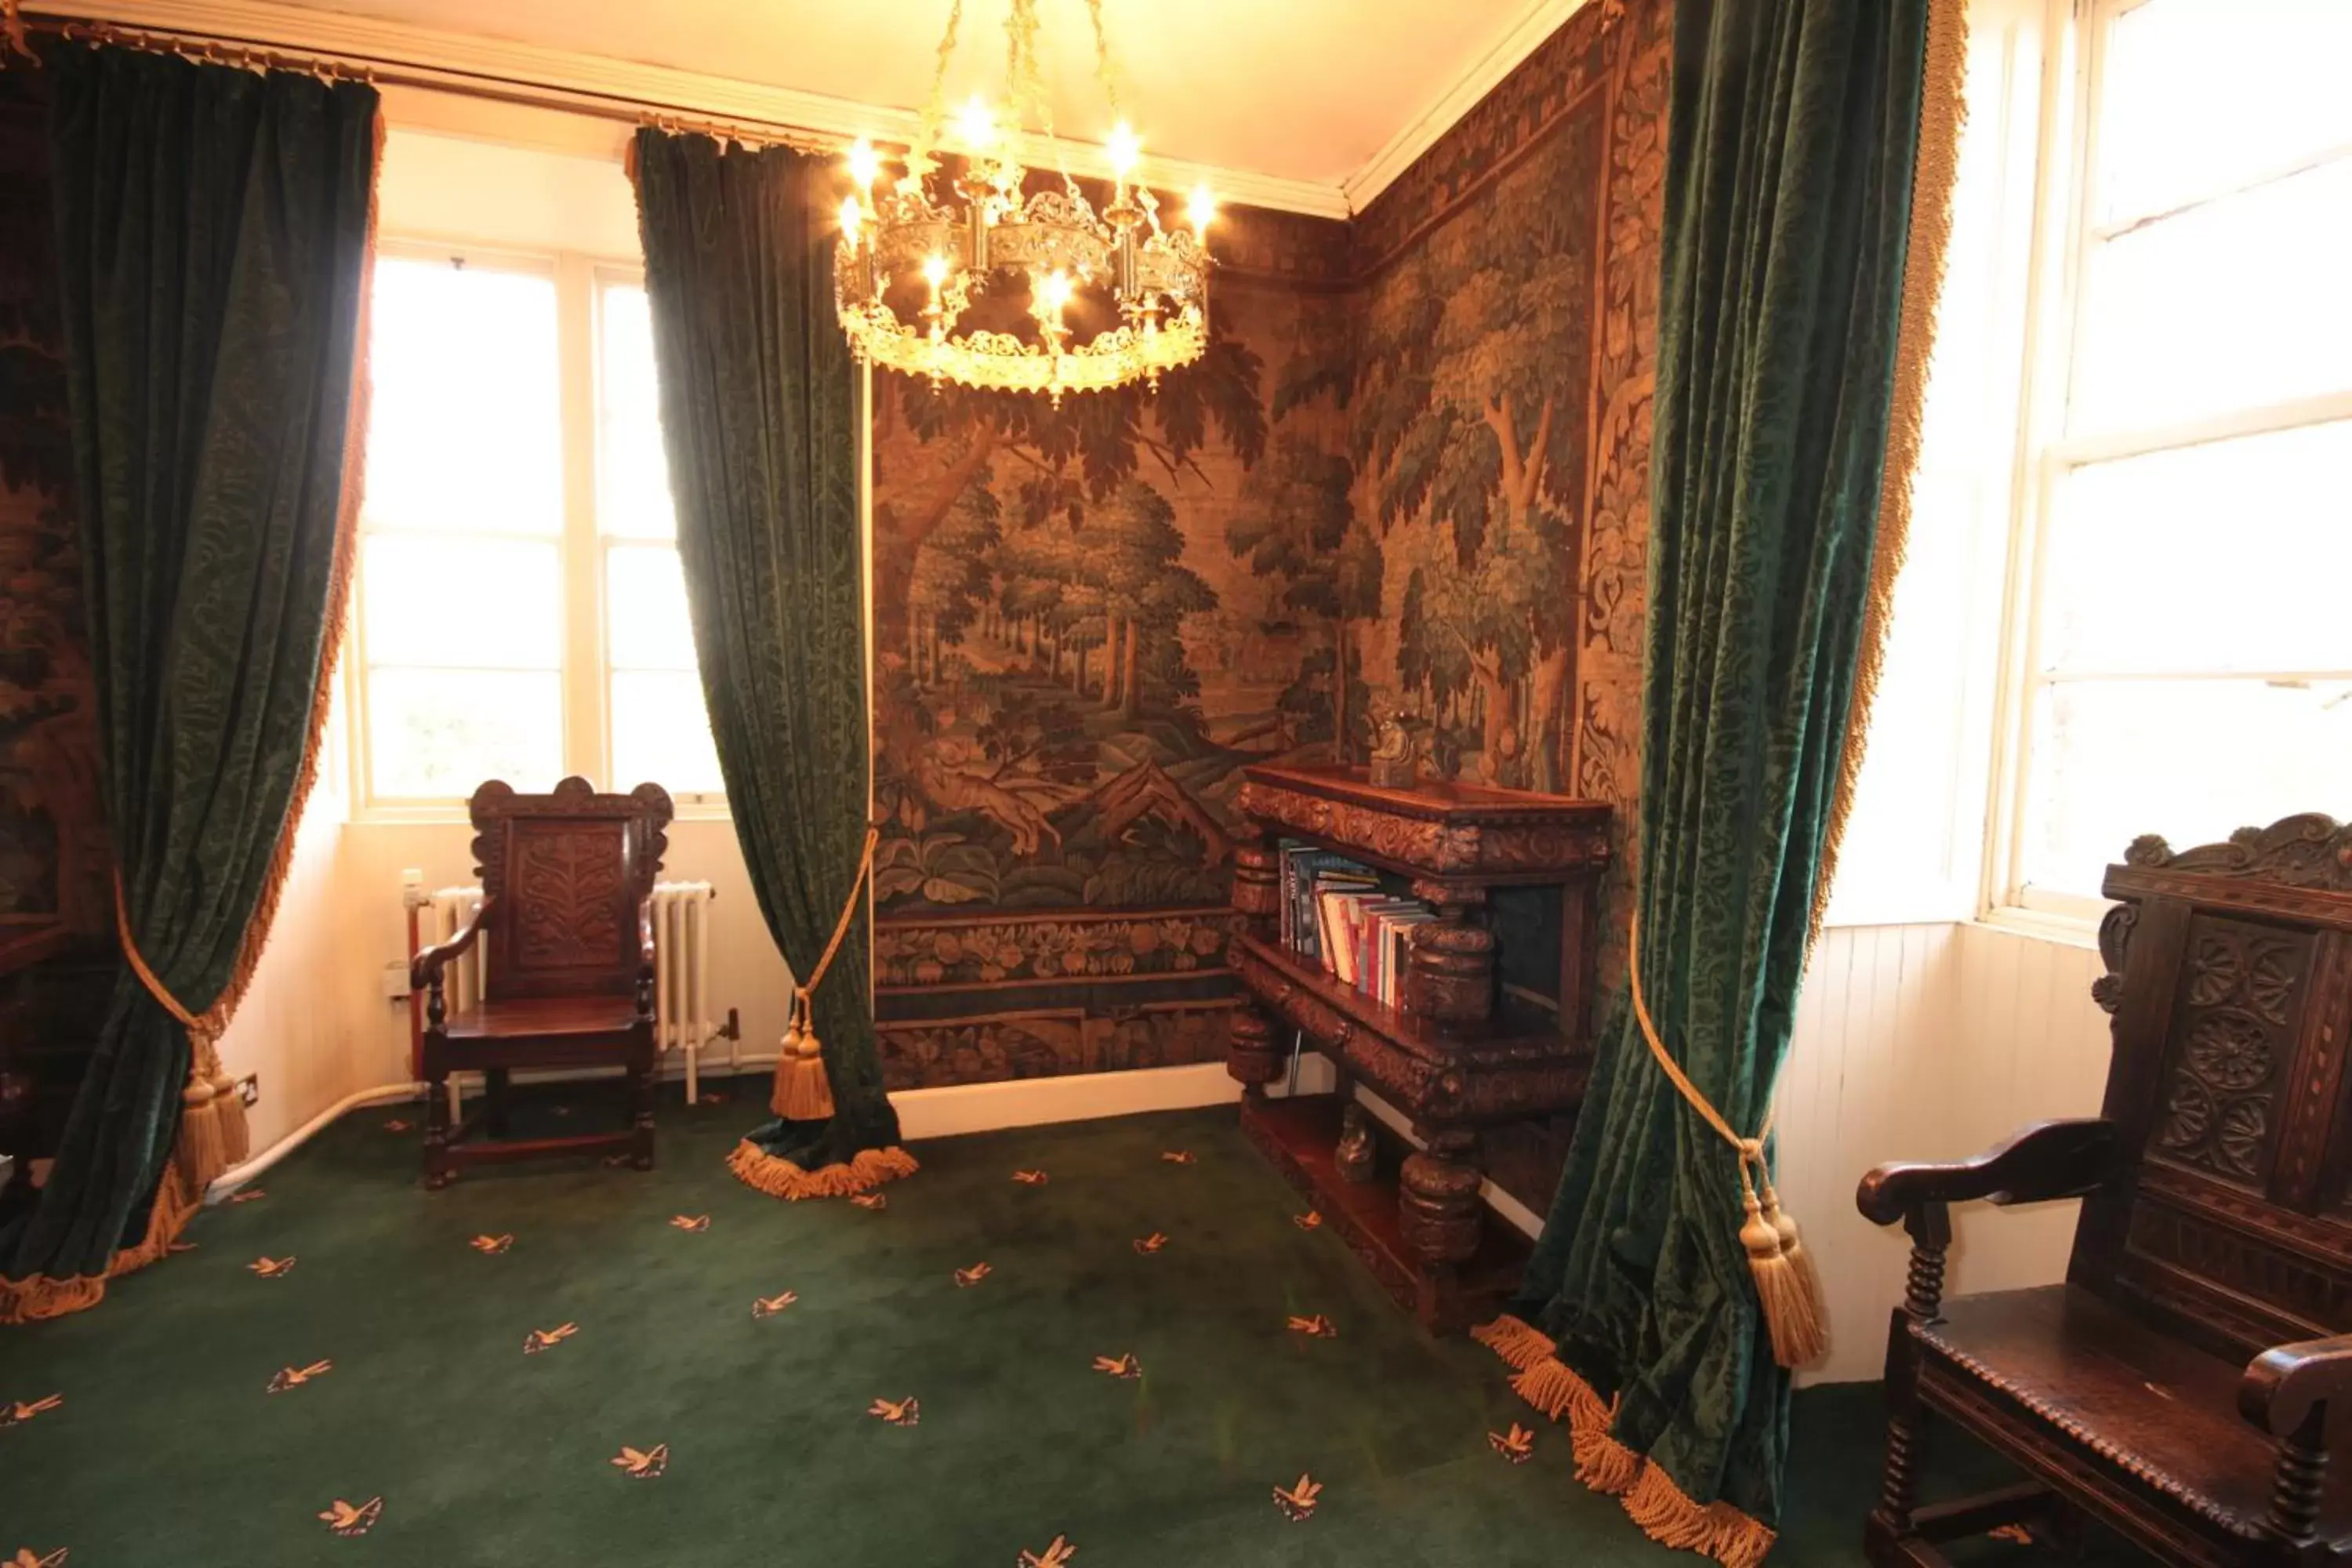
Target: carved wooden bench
x: 2182, y: 1385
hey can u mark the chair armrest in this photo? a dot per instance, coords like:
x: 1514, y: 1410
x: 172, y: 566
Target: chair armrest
x: 2047, y: 1160
x: 424, y: 969
x: 2284, y: 1383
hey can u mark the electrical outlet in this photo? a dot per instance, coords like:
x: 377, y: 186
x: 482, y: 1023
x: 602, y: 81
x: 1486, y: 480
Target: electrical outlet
x: 395, y: 980
x: 248, y: 1088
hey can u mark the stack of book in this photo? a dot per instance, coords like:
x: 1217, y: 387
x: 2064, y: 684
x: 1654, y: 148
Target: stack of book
x: 1334, y: 911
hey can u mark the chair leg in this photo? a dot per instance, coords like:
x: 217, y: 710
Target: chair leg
x: 1891, y: 1524
x: 494, y: 1096
x: 641, y: 1107
x: 438, y: 1173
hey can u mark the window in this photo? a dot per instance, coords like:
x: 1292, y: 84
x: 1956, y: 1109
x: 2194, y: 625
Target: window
x: 521, y: 613
x: 2183, y: 660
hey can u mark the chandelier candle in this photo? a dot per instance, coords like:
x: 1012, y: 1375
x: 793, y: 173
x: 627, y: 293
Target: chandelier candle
x: 983, y: 244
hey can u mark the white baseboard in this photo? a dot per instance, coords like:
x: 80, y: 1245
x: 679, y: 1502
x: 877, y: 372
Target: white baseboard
x: 236, y: 1176
x: 959, y: 1109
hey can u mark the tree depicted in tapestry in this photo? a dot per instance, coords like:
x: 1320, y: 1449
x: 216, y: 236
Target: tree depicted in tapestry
x: 15, y: 1412
x: 643, y: 1465
x: 296, y: 1376
x: 540, y: 1340
x: 1297, y: 1499
x: 896, y: 1411
x: 352, y: 1519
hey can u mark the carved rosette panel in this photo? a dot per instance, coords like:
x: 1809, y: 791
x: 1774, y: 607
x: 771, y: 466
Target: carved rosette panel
x: 912, y: 953
x: 567, y: 893
x: 2233, y: 1042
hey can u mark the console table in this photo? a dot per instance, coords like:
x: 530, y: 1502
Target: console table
x: 1460, y: 1053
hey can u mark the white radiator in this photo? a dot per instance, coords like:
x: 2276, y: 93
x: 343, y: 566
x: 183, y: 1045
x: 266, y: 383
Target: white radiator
x: 682, y: 1007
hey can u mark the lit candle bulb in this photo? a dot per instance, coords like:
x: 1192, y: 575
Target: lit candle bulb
x: 935, y: 273
x: 1204, y: 208
x: 852, y: 217
x: 865, y: 164
x: 977, y: 125
x: 1124, y: 150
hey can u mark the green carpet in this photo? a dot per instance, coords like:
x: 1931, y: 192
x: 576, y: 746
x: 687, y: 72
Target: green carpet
x: 168, y: 1447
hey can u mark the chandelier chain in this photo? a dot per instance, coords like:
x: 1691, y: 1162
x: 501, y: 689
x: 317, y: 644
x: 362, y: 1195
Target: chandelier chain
x: 935, y: 107
x: 1104, y: 71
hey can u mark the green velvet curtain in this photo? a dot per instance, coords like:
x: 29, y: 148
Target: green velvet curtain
x: 759, y: 420
x: 1788, y: 172
x: 213, y: 229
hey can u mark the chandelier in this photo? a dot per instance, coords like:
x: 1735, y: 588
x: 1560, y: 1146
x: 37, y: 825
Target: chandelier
x: 976, y: 280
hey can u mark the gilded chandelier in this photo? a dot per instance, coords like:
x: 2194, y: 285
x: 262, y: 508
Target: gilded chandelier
x: 979, y: 281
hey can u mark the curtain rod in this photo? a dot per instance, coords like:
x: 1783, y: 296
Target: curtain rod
x: 248, y: 54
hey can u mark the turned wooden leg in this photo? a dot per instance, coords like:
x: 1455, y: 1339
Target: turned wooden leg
x: 1450, y: 969
x: 438, y: 1173
x: 1252, y: 1058
x: 1891, y: 1522
x: 640, y: 1106
x: 1438, y: 1213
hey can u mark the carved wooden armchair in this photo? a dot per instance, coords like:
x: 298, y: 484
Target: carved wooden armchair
x: 2188, y: 1382
x: 567, y: 980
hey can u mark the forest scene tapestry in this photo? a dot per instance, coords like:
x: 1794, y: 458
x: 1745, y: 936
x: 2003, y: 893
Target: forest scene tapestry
x: 57, y: 913
x: 1407, y: 478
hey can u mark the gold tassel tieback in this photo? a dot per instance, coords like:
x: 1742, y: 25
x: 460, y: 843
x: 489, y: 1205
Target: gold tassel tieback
x: 212, y: 1135
x: 1788, y: 1290
x: 803, y: 1092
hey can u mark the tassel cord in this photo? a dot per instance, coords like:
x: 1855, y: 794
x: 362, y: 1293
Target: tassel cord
x: 1785, y: 1286
x: 803, y: 1092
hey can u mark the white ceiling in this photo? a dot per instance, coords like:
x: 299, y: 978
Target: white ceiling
x: 1307, y: 91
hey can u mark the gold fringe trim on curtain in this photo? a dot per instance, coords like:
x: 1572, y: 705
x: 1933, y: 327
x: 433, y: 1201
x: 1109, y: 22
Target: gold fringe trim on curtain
x: 1648, y: 1495
x: 780, y: 1178
x: 31, y: 1299
x: 1943, y: 114
x: 213, y: 1135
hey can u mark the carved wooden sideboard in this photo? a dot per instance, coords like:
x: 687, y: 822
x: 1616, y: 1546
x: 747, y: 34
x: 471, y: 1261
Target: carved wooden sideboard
x: 1462, y: 1052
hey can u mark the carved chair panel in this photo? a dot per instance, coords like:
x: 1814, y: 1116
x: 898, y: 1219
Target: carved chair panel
x: 2230, y: 980
x: 569, y: 872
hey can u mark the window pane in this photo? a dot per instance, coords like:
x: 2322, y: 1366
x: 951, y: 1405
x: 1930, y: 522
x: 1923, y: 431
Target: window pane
x: 2198, y: 95
x: 437, y: 599
x: 440, y: 732
x: 2190, y: 759
x: 2230, y: 555
x: 463, y: 428
x: 633, y: 495
x: 661, y: 733
x: 647, y: 628
x: 2233, y: 304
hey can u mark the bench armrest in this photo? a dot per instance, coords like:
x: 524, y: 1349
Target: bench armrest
x: 2047, y: 1160
x: 2285, y: 1383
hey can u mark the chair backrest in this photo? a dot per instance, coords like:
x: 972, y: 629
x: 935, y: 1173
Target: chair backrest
x: 2229, y: 976
x: 570, y: 872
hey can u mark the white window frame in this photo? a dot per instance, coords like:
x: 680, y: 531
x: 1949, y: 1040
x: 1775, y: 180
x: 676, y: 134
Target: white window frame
x: 584, y: 676
x: 2076, y: 38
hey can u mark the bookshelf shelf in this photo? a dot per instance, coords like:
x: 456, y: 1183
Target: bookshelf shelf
x: 1488, y: 1019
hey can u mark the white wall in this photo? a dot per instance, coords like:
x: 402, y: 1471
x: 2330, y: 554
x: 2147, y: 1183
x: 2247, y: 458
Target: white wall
x: 1928, y: 1041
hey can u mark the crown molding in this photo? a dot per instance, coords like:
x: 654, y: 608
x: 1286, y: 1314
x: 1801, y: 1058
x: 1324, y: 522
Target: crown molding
x: 565, y: 77
x: 1541, y: 19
